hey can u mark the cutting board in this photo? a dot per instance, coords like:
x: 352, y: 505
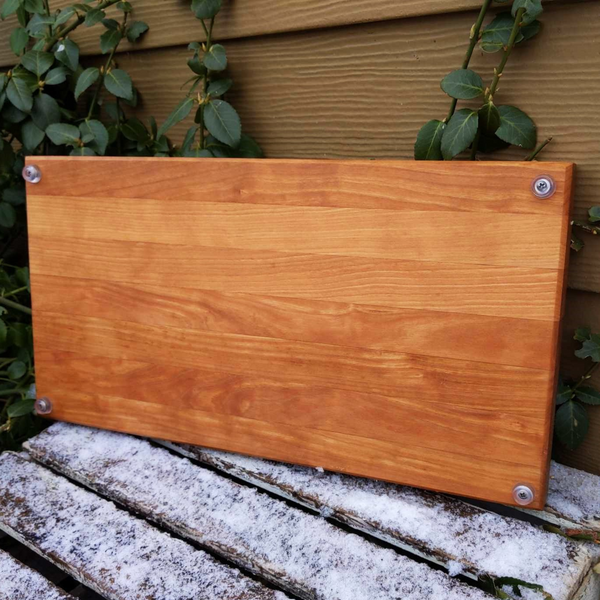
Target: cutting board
x: 387, y: 319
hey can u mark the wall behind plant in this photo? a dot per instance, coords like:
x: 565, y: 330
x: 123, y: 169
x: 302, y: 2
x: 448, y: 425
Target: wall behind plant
x: 323, y: 78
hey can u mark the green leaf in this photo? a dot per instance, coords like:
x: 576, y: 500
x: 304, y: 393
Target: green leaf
x: 587, y: 394
x: 3, y: 331
x: 8, y: 216
x: 29, y: 78
x: 124, y: 6
x: 590, y: 348
x: 82, y: 151
x: 67, y: 52
x: 136, y: 29
x: 56, y: 76
x: 223, y: 122
x: 495, y: 36
x: 529, y: 31
x: 582, y: 334
x: 32, y: 136
x: 133, y: 129
x: 63, y: 134
x: 12, y: 114
x: 516, y: 127
x: 34, y: 6
x: 109, y: 40
x: 533, y: 9
x: 110, y: 24
x: 248, y: 148
x: 8, y: 8
x: 571, y: 424
x: 489, y: 118
x: 17, y: 369
x: 64, y: 15
x: 459, y: 133
x: 219, y: 87
x: 576, y: 244
x: 45, y: 111
x: 564, y: 392
x: 181, y: 111
x: 38, y: 25
x: 216, y: 58
x: 18, y: 40
x: 594, y: 214
x: 93, y: 16
x: 99, y: 135
x: 429, y: 141
x: 206, y: 9
x: 196, y: 65
x: 21, y: 408
x: 19, y: 94
x: 118, y: 83
x: 14, y: 195
x: 462, y: 84
x: 87, y: 78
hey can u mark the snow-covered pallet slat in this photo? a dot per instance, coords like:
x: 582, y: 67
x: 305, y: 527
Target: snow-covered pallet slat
x: 118, y: 555
x: 297, y: 551
x: 19, y: 582
x: 573, y: 500
x: 458, y: 535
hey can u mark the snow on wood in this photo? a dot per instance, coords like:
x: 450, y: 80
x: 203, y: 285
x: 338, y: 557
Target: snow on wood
x: 573, y: 499
x: 119, y: 556
x: 456, y: 534
x: 18, y: 582
x: 298, y: 551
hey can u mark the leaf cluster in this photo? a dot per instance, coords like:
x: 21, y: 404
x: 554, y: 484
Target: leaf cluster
x: 572, y: 421
x: 217, y: 130
x: 487, y: 127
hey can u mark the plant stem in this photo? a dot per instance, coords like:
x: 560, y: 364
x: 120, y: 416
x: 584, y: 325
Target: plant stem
x: 13, y: 391
x: 539, y: 149
x: 586, y: 375
x: 15, y: 306
x: 15, y: 292
x: 593, y: 229
x: 473, y: 39
x: 101, y: 81
x: 206, y: 79
x: 78, y: 21
x: 475, y: 144
x: 505, y: 55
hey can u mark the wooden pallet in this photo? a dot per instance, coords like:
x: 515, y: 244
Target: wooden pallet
x: 315, y: 535
x: 397, y: 320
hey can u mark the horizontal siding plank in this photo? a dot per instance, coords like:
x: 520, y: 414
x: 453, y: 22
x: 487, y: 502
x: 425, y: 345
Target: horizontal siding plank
x: 299, y: 552
x: 107, y: 549
x: 434, y: 333
x: 172, y: 23
x: 380, y: 82
x: 471, y: 289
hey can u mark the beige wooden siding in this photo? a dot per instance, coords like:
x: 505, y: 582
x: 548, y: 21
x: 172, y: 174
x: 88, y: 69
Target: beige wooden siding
x: 344, y: 78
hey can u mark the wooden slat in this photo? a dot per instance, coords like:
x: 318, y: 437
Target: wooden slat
x: 298, y: 93
x: 172, y: 23
x: 18, y: 582
x: 299, y: 552
x: 440, y: 528
x: 410, y: 331
x: 107, y: 549
x: 429, y: 236
x: 310, y: 250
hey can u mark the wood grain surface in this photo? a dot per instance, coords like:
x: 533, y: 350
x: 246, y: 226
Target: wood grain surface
x: 411, y: 339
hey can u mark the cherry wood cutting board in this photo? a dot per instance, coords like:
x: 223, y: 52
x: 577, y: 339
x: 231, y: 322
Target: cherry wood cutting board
x: 395, y: 320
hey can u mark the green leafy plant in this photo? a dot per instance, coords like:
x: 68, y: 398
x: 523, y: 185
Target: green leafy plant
x: 588, y: 226
x: 489, y: 127
x: 572, y: 422
x: 217, y: 131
